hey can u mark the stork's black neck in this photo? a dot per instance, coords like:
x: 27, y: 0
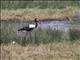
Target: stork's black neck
x: 36, y: 22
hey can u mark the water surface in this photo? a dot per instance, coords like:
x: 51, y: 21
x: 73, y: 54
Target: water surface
x: 58, y: 25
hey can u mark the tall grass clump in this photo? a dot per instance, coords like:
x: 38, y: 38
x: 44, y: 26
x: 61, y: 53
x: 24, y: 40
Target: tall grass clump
x: 48, y: 35
x: 9, y: 33
x: 74, y: 35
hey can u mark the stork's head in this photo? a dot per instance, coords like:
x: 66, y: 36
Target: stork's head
x: 67, y: 18
x: 35, y: 19
x: 36, y: 22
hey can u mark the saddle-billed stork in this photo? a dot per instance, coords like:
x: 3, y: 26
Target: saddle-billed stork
x: 30, y: 27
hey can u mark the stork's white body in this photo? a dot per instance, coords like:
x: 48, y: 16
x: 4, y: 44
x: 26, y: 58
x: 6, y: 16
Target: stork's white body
x: 32, y: 25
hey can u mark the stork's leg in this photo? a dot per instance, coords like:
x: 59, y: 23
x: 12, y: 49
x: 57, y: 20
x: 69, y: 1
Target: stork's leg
x: 24, y: 41
x: 30, y: 38
x: 26, y: 35
x: 35, y: 37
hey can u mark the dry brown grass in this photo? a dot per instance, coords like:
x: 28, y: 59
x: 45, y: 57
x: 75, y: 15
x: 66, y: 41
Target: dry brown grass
x: 25, y: 14
x: 51, y: 51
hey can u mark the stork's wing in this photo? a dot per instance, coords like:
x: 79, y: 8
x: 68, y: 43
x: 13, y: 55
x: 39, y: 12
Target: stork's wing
x: 21, y: 29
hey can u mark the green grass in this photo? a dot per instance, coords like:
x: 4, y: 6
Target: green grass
x: 30, y: 14
x: 74, y: 35
x: 24, y: 10
x: 51, y: 51
x: 39, y: 4
x: 9, y: 33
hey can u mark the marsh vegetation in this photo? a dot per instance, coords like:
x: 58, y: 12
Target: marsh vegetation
x: 39, y: 44
x: 9, y: 33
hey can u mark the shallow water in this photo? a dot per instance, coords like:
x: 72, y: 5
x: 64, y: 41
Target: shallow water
x: 58, y: 25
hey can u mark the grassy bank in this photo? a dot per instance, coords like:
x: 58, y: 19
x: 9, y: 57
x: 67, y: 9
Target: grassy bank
x: 26, y: 14
x: 54, y: 51
x: 25, y: 10
x: 39, y: 4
